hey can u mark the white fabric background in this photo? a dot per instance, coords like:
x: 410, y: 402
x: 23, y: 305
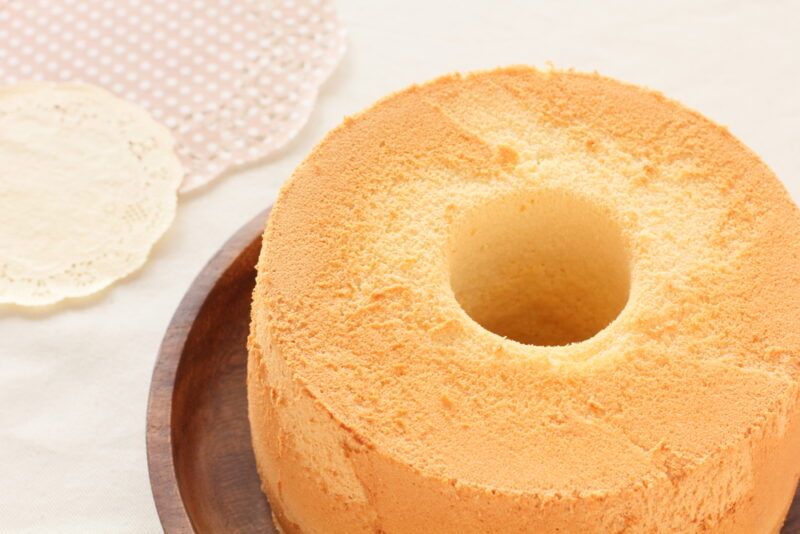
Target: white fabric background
x: 74, y: 381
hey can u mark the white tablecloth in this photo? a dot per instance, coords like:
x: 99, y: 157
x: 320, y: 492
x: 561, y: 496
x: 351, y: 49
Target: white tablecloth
x: 74, y: 380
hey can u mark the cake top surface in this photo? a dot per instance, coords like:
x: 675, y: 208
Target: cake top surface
x: 536, y: 281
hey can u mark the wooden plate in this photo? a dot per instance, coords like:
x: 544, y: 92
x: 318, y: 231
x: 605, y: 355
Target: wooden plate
x: 202, y: 468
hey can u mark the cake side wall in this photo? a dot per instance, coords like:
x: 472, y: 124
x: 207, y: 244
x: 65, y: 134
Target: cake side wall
x: 400, y: 500
x: 300, y: 457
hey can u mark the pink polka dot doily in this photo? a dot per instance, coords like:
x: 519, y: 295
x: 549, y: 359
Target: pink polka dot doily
x: 233, y: 79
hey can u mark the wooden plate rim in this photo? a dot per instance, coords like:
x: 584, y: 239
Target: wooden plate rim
x: 160, y: 460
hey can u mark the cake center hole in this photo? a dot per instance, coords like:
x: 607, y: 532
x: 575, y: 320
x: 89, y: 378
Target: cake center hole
x: 540, y: 268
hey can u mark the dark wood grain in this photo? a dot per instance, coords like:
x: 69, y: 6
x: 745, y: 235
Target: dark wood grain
x: 202, y: 468
x: 792, y: 523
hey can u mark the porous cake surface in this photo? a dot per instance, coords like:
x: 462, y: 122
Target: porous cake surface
x: 525, y: 301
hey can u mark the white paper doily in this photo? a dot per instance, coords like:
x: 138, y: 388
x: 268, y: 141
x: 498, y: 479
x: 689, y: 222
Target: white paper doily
x: 234, y: 80
x: 87, y: 184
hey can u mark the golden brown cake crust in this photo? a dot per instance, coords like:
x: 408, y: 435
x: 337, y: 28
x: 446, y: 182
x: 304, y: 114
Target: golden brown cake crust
x: 378, y: 405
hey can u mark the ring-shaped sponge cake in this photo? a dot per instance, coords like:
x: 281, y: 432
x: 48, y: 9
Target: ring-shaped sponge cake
x: 525, y: 301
